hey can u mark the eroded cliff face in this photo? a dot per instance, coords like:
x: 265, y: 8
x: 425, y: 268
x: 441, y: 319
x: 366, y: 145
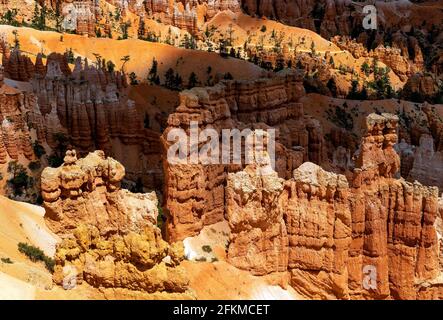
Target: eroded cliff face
x: 88, y: 106
x: 15, y: 135
x: 194, y: 193
x: 334, y: 233
x: 109, y: 236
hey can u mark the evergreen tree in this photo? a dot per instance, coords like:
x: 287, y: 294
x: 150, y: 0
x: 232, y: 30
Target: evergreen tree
x: 365, y: 68
x: 178, y: 82
x: 133, y: 79
x: 153, y: 77
x: 16, y: 39
x: 332, y: 86
x: 313, y: 52
x: 193, y: 81
x: 110, y: 66
x: 232, y: 52
x: 353, y: 93
x: 169, y: 79
x: 228, y: 76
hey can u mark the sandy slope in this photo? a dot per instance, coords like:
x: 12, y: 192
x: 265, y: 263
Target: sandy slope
x: 22, y: 222
x: 141, y: 54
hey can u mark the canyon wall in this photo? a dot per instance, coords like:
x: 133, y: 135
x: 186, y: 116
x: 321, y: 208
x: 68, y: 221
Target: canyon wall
x: 334, y: 233
x: 90, y: 107
x: 109, y: 235
x: 194, y: 193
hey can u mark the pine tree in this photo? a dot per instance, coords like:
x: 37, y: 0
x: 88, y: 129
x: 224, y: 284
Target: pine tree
x: 193, y: 81
x: 332, y: 86
x: 353, y: 93
x: 153, y: 77
x: 169, y: 79
x: 133, y: 79
x: 365, y: 68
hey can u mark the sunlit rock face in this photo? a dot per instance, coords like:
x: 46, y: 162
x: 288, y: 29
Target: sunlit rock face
x: 109, y: 235
x: 194, y: 193
x: 328, y: 233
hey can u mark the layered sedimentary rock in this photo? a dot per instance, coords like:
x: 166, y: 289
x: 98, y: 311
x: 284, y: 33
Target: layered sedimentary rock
x: 392, y: 57
x: 194, y: 193
x: 109, y: 235
x: 373, y: 236
x: 255, y: 215
x: 420, y: 87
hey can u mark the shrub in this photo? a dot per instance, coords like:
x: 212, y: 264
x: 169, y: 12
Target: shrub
x: 6, y: 260
x: 207, y: 248
x: 160, y: 221
x: 201, y: 259
x: 36, y: 254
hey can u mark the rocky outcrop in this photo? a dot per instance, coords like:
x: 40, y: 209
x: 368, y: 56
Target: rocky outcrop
x: 259, y: 240
x: 391, y: 57
x: 109, y: 235
x: 15, y: 136
x: 420, y: 87
x: 194, y: 193
x: 373, y: 236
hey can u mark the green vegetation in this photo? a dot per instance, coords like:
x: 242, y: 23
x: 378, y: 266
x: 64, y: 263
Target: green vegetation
x: 133, y: 79
x: 39, y: 17
x: 55, y: 160
x: 36, y: 254
x: 173, y: 81
x: 9, y: 17
x: 39, y: 151
x: 19, y: 181
x: 193, y: 80
x: 207, y: 248
x: 6, y: 260
x: 34, y: 165
x: 160, y: 217
x: 153, y: 76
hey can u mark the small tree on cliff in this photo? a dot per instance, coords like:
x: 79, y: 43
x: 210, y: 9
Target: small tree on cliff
x: 125, y: 60
x: 332, y: 86
x: 16, y: 39
x: 19, y: 180
x: 133, y: 79
x: 153, y: 76
x: 313, y: 52
x: 39, y: 17
x: 366, y: 68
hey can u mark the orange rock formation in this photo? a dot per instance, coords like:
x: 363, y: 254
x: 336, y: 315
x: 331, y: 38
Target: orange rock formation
x: 110, y: 237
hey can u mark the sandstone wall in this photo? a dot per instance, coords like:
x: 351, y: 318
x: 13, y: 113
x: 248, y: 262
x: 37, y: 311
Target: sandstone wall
x: 194, y: 194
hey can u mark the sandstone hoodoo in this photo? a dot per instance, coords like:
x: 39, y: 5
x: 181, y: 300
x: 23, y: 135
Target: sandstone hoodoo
x: 194, y: 194
x: 109, y: 236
